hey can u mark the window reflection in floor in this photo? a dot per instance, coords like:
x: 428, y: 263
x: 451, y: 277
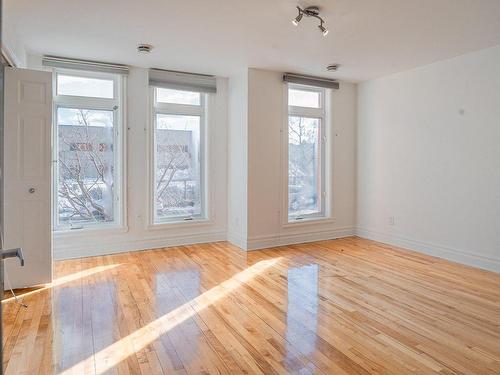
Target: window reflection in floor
x: 302, y: 314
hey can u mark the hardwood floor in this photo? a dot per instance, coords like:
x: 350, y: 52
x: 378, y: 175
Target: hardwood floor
x: 348, y: 306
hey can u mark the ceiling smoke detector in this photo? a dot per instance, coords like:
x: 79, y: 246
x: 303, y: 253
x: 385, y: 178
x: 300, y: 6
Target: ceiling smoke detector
x: 144, y: 48
x: 333, y: 67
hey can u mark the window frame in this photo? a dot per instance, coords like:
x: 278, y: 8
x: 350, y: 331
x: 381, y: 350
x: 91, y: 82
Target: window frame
x: 117, y: 106
x: 201, y: 110
x: 315, y: 113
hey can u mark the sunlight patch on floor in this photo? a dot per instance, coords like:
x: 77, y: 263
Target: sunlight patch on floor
x: 64, y: 280
x: 112, y: 355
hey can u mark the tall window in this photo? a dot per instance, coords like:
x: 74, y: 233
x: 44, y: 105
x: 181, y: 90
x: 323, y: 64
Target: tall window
x: 306, y: 143
x: 179, y: 127
x: 86, y: 113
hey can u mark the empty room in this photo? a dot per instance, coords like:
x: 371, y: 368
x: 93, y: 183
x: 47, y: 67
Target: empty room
x: 250, y: 187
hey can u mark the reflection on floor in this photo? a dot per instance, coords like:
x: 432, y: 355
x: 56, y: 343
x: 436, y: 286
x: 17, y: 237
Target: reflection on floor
x: 348, y: 306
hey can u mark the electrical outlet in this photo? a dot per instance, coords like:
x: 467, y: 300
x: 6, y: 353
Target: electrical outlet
x: 391, y: 220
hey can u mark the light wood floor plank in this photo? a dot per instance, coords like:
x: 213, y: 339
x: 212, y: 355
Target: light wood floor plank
x: 348, y: 306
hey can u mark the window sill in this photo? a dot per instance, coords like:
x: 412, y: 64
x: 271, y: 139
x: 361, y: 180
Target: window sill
x: 107, y: 229
x: 309, y: 221
x: 179, y: 224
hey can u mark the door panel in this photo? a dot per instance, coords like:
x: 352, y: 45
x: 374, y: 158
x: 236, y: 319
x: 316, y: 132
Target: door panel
x: 27, y: 163
x: 32, y: 143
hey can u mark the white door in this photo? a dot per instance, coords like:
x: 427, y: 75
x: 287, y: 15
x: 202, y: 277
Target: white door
x: 27, y: 176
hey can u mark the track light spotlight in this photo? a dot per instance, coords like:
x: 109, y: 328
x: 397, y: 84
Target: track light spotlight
x: 323, y: 29
x: 297, y: 19
x: 312, y: 11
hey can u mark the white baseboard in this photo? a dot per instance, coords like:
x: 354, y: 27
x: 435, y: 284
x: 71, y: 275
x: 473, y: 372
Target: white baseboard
x: 454, y: 255
x: 67, y: 250
x: 237, y: 240
x: 263, y: 242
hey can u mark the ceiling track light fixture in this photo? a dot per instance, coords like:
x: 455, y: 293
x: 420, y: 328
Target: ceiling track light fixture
x: 312, y: 11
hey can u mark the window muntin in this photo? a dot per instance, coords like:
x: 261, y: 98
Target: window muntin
x: 86, y: 173
x: 306, y: 155
x: 178, y: 158
x: 91, y: 87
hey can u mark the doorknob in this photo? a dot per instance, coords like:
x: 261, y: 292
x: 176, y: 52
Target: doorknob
x: 13, y: 253
x: 31, y: 190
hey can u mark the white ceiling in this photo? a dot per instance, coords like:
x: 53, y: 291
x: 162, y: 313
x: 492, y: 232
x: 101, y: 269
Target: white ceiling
x: 369, y: 38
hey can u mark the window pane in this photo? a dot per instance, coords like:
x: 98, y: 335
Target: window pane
x: 177, y: 96
x: 304, y: 98
x: 85, y: 186
x: 304, y: 195
x: 83, y: 86
x: 178, y: 164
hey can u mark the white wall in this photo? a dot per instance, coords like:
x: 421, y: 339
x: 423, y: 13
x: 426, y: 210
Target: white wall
x: 424, y: 143
x: 245, y: 171
x: 429, y: 155
x: 137, y: 235
x: 237, y: 160
x: 12, y: 45
x: 265, y: 122
x: 266, y: 118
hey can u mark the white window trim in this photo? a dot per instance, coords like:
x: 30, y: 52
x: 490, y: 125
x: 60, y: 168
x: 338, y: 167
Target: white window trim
x: 323, y: 113
x: 118, y: 105
x: 204, y: 111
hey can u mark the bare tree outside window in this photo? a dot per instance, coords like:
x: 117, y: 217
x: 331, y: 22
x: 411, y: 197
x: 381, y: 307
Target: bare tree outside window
x: 178, y: 154
x: 177, y: 174
x: 306, y: 152
x: 303, y: 165
x: 85, y: 191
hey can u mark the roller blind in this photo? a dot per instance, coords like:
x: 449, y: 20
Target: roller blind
x: 311, y: 81
x: 182, y: 81
x: 93, y: 66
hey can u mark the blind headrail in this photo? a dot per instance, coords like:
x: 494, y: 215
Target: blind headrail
x: 88, y: 65
x: 311, y: 81
x: 182, y: 80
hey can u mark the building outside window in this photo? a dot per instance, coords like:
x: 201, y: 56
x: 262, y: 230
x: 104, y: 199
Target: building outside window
x: 86, y: 138
x: 179, y: 138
